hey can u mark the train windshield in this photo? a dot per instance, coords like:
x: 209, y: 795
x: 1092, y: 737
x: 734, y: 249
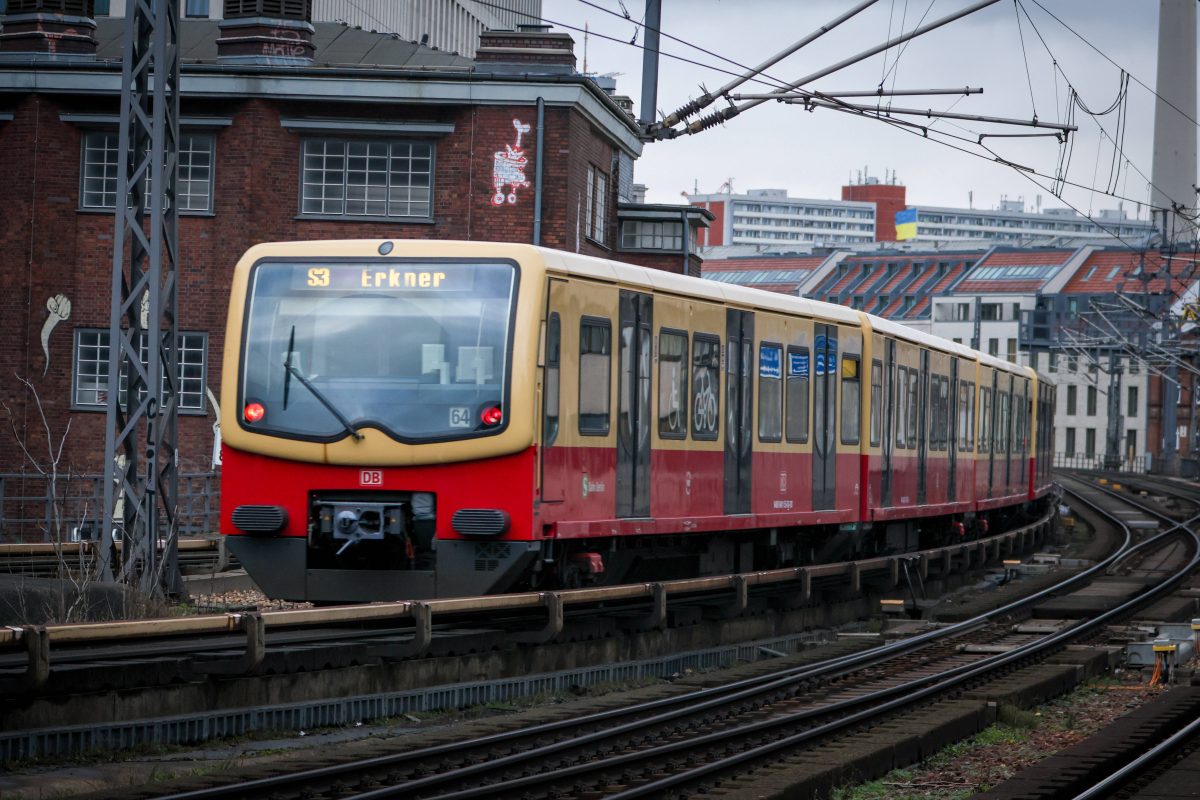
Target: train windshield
x: 418, y: 350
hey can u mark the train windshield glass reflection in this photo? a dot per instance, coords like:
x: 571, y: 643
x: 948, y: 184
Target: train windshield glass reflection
x: 416, y: 350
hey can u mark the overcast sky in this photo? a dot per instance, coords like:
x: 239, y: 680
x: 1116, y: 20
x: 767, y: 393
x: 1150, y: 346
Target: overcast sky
x: 814, y: 154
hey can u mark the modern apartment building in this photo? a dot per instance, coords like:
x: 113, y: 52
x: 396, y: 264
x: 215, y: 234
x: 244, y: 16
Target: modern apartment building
x: 766, y: 217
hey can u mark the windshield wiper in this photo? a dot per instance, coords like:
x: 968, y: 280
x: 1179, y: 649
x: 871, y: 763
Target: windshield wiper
x: 290, y: 369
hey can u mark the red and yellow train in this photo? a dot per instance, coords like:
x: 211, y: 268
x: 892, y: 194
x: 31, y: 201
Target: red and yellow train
x: 414, y: 419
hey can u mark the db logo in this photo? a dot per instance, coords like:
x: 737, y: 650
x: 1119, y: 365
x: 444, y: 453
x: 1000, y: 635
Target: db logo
x: 371, y: 477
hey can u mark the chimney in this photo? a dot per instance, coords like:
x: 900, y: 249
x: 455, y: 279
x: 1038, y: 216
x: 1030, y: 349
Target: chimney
x: 528, y: 46
x: 48, y: 29
x: 277, y: 32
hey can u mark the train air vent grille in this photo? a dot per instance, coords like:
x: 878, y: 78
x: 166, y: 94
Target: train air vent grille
x: 259, y: 519
x: 489, y: 555
x: 479, y: 522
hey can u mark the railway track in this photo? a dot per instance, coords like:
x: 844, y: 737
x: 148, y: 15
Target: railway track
x: 52, y: 560
x: 701, y: 739
x: 1152, y: 752
x: 57, y: 658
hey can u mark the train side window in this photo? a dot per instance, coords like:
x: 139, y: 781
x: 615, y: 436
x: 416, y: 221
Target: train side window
x: 931, y: 426
x: 876, y: 402
x: 944, y: 413
x: 797, y: 394
x: 962, y: 416
x: 595, y: 375
x: 985, y: 420
x: 706, y: 385
x: 934, y: 384
x: 901, y: 406
x: 672, y: 384
x: 999, y: 421
x: 970, y: 416
x: 550, y: 390
x: 770, y: 392
x: 851, y: 399
x: 913, y: 377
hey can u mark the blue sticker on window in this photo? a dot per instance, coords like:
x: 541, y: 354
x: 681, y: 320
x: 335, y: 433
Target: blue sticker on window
x: 798, y: 365
x: 769, y: 363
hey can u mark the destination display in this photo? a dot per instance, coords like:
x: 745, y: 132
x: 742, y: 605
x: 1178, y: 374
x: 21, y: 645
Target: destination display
x: 360, y: 277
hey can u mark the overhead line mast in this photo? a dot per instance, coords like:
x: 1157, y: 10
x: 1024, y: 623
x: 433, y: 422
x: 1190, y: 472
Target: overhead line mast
x: 140, y: 447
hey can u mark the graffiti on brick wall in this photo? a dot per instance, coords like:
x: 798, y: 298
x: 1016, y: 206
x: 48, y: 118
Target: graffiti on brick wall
x: 216, y: 427
x: 508, y: 168
x: 60, y: 309
x: 284, y: 43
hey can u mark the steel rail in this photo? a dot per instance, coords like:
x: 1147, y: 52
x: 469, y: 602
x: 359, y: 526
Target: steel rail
x: 1105, y: 787
x: 958, y: 676
x: 671, y: 708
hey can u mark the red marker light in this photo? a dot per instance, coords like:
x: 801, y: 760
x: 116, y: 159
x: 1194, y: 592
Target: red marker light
x: 491, y: 416
x: 253, y: 412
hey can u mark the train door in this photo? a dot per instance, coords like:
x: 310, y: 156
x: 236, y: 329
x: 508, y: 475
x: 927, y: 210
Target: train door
x: 1007, y: 433
x: 994, y: 405
x: 553, y: 465
x: 951, y: 412
x: 739, y: 356
x: 633, y: 398
x: 824, y: 456
x: 889, y: 416
x: 922, y: 426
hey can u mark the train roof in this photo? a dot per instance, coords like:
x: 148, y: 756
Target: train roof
x: 591, y: 267
x: 620, y: 272
x: 604, y: 269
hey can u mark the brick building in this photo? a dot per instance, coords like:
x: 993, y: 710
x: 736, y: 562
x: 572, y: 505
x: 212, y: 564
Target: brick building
x: 289, y: 131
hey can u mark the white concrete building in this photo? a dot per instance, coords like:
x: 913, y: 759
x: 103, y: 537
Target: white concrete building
x: 452, y: 25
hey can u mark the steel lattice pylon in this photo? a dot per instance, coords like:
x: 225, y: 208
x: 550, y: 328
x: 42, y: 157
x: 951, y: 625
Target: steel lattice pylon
x: 141, y: 470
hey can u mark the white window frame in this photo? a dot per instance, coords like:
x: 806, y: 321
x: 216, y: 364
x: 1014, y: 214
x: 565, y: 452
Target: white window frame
x: 193, y: 370
x: 360, y: 178
x: 596, y: 205
x: 100, y: 160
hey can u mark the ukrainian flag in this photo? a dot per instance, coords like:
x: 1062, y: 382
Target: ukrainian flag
x: 906, y: 224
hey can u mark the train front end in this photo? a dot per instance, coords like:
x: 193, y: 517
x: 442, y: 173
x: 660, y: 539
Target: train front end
x: 377, y: 419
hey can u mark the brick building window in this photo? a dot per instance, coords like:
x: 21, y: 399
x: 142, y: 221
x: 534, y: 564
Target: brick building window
x: 367, y: 178
x: 194, y: 183
x: 641, y: 235
x: 90, y: 384
x: 597, y: 205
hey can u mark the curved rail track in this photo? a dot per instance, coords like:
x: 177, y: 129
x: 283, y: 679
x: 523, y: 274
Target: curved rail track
x: 677, y: 744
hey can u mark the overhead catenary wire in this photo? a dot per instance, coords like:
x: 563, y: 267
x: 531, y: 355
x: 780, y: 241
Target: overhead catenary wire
x: 1106, y: 57
x: 922, y: 130
x: 732, y: 111
x: 1119, y: 104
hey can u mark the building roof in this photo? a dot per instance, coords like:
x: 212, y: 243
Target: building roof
x: 1006, y: 270
x: 783, y: 274
x: 1122, y: 269
x: 337, y: 45
x: 349, y: 65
